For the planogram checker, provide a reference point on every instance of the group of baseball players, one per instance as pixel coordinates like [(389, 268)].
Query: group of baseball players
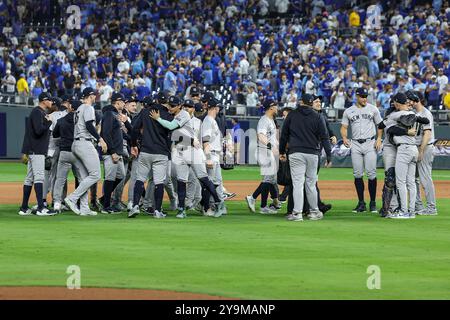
[(177, 145), (173, 144)]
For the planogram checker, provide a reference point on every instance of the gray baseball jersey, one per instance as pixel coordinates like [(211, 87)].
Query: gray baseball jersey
[(266, 127), (363, 121), (211, 129), (83, 114), (53, 141), (405, 139), (185, 131), (425, 113), (196, 124)]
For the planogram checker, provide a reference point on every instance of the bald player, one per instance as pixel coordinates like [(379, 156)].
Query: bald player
[(363, 119)]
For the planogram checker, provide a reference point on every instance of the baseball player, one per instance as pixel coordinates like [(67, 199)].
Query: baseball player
[(111, 132), (85, 135), (187, 153), (389, 201), (267, 157), (304, 130), (64, 132), (60, 105), (194, 188), (317, 106), (34, 148), (153, 156), (212, 146), (129, 111), (424, 141), (407, 153), (363, 119)]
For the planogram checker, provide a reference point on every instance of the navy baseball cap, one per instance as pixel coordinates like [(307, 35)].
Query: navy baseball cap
[(269, 103), (57, 101), (117, 97), (411, 95), (148, 101), (75, 104), (308, 99), (318, 97), (162, 97), (207, 97), (194, 92), (198, 107), (45, 96), (213, 102), (400, 98), (174, 101), (362, 92), (131, 98), (88, 92), (66, 98), (189, 103)]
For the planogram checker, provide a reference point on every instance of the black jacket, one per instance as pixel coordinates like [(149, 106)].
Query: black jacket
[(111, 130), (37, 133), (155, 138), (304, 130), (64, 129)]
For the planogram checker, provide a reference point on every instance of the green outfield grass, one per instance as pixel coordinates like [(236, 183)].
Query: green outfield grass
[(15, 172), (241, 255)]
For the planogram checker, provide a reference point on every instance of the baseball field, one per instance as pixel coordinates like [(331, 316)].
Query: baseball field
[(242, 255)]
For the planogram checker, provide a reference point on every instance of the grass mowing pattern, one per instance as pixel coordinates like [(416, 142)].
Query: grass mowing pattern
[(241, 255), (15, 172)]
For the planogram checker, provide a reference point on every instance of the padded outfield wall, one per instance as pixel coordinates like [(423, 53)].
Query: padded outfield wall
[(12, 128)]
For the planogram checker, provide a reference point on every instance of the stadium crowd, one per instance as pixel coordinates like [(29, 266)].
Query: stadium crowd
[(258, 49)]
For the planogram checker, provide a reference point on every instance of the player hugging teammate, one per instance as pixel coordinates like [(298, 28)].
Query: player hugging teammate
[(408, 157)]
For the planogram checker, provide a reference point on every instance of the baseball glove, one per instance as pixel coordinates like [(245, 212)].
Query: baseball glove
[(24, 159), (407, 120)]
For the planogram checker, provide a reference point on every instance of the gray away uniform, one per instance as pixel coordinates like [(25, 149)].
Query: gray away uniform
[(211, 133), (363, 122), (425, 166), (83, 148), (389, 157), (266, 159), (405, 167), (194, 188)]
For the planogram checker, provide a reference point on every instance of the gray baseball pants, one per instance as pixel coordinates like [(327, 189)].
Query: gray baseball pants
[(90, 164), (364, 157), (424, 178), (304, 176), (66, 162), (405, 173)]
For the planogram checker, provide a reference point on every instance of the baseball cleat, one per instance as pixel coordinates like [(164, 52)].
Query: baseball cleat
[(220, 209), (251, 203), (25, 212), (315, 215), (209, 213), (130, 206), (295, 217), (274, 207), (149, 211), (45, 212), (428, 212), (401, 215), (57, 206), (373, 207), (228, 196), (159, 215), (72, 206), (324, 208), (361, 207), (134, 212), (88, 213), (181, 214), (268, 210)]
